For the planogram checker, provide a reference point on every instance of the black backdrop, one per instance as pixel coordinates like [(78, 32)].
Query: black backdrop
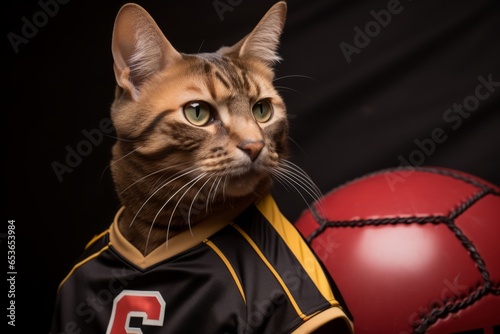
[(368, 85)]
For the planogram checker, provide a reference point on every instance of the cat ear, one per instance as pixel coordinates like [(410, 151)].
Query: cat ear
[(139, 48), (262, 43)]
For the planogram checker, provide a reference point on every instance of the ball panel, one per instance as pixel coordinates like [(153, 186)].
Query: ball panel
[(480, 224)]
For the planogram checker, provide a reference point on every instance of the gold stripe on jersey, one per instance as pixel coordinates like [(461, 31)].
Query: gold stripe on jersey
[(229, 267), (319, 319), (95, 238), (273, 271), (299, 248), (81, 263)]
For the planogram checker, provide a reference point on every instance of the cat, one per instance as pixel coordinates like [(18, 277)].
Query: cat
[(216, 138), (200, 138)]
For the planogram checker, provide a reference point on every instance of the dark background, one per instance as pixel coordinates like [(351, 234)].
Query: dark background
[(347, 118)]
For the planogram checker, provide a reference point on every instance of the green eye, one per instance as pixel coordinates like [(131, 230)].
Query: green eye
[(262, 111), (198, 113)]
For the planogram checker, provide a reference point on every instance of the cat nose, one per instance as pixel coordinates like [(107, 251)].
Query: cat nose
[(252, 148)]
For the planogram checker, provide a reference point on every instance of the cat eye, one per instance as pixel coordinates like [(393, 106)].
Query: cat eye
[(198, 113), (262, 111)]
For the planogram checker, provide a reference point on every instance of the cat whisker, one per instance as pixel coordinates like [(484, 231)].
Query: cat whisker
[(202, 42), (194, 199), (149, 175), (115, 161), (122, 139), (307, 187), (281, 88), (193, 182), (296, 178), (157, 190), (304, 176), (210, 194), (294, 76), (284, 177), (214, 195), (278, 179), (159, 180), (297, 145), (165, 204), (224, 188)]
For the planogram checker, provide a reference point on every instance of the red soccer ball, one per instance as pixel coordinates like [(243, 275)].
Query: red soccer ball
[(413, 250)]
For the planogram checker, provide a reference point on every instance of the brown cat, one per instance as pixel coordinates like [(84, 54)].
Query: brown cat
[(205, 129), (199, 245)]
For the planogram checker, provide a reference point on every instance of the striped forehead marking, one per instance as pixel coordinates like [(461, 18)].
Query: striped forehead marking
[(232, 76)]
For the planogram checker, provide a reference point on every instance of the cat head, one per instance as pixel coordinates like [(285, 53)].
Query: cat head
[(205, 128)]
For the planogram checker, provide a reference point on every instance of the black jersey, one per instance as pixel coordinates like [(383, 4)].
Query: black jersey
[(253, 275)]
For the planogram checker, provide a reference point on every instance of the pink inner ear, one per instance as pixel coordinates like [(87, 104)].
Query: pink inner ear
[(139, 48)]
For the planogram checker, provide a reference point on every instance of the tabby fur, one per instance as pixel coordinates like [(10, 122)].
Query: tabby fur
[(171, 174)]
